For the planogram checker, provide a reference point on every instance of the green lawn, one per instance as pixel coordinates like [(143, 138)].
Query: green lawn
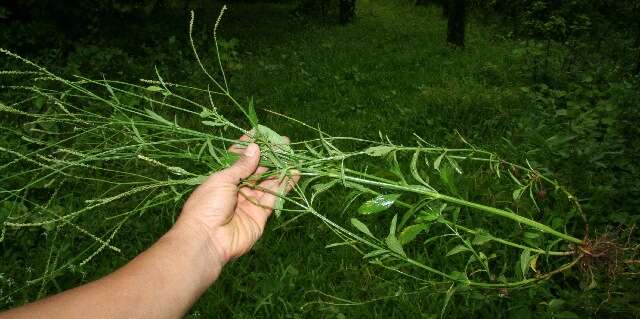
[(388, 72)]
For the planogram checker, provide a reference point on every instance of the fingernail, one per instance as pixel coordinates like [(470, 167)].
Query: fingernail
[(251, 150)]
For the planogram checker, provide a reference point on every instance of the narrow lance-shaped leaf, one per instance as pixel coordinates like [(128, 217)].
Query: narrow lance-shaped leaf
[(279, 204), (525, 257), (113, 94), (427, 216), (391, 240), (251, 113), (457, 249), (212, 152), (212, 123), (277, 141), (409, 233), (158, 118), (394, 245), (380, 150), (361, 227), (374, 253), (517, 193), (414, 169), (137, 137), (154, 88), (533, 263), (229, 158), (322, 187), (392, 226), (481, 238), (378, 204), (459, 276), (438, 160), (447, 298), (454, 164)]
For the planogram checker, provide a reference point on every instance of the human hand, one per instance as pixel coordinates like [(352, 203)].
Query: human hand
[(233, 217)]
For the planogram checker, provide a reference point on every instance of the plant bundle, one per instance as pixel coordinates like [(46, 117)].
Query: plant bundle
[(456, 217)]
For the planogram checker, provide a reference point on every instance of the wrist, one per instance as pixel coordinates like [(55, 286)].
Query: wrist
[(196, 238)]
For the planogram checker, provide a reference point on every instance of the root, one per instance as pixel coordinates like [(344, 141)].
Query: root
[(605, 255)]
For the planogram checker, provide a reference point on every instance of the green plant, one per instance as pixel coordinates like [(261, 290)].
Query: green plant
[(100, 134)]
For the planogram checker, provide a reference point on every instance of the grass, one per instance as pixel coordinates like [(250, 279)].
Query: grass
[(388, 72)]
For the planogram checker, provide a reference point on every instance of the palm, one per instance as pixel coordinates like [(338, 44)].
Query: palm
[(234, 217), (238, 232)]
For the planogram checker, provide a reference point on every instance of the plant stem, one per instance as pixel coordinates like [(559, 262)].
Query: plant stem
[(492, 210)]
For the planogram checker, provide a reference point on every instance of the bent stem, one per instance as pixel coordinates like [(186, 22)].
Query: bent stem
[(488, 209)]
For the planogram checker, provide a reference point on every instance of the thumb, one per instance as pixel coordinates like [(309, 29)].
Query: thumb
[(243, 168)]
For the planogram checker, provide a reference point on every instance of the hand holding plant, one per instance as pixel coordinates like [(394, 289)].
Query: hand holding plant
[(233, 214)]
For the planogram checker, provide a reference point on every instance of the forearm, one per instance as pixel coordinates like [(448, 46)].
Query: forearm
[(162, 282)]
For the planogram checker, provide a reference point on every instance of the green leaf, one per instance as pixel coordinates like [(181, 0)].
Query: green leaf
[(207, 113), (380, 150), (279, 204), (277, 141), (525, 257), (457, 249), (481, 238), (459, 276), (229, 158), (533, 263), (438, 161), (158, 118), (454, 164), (138, 137), (323, 187), (531, 235), (414, 168), (211, 123), (154, 88), (361, 227), (212, 152), (447, 298), (337, 244), (409, 233), (392, 226), (555, 304), (113, 94), (195, 180), (378, 204), (427, 216), (394, 245), (395, 168), (447, 177), (517, 193), (253, 116), (374, 253)]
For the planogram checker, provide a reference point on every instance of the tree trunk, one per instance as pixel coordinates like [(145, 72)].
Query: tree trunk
[(445, 8), (456, 25), (637, 41), (347, 11)]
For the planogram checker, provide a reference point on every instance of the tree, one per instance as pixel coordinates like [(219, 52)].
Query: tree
[(636, 15), (456, 24), (347, 11)]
